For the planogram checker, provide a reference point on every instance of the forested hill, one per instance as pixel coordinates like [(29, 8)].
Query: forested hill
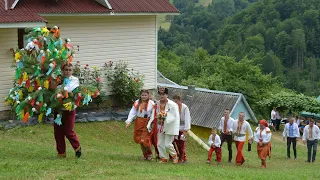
[(266, 44)]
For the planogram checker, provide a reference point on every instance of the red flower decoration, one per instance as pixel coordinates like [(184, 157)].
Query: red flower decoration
[(85, 67), (137, 80), (87, 64), (98, 80)]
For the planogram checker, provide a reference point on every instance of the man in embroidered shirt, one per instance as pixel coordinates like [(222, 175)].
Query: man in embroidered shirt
[(68, 118), (168, 127), (311, 134), (185, 124), (225, 128), (241, 128), (291, 131)]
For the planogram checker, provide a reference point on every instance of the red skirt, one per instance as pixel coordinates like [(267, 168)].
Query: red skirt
[(264, 151), (141, 134)]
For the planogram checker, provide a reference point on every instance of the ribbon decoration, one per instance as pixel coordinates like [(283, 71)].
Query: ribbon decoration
[(58, 120)]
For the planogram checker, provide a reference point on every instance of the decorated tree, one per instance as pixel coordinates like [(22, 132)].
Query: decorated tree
[(39, 86)]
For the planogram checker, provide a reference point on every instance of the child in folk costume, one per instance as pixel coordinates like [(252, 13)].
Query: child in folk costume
[(168, 121), (141, 112), (262, 136), (241, 128), (214, 143)]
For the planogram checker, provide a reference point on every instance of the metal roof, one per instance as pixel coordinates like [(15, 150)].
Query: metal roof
[(206, 106), (29, 10)]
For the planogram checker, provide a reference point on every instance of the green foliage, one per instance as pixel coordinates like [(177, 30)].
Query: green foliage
[(91, 77), (291, 101), (125, 84), (280, 35), (88, 75)]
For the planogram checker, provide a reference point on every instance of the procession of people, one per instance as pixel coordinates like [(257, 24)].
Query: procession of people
[(165, 124)]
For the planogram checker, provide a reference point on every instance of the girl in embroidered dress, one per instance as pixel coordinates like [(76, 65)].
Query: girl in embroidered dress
[(141, 112), (262, 136)]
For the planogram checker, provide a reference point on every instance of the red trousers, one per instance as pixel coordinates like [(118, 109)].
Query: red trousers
[(218, 153), (180, 147), (66, 130), (239, 157)]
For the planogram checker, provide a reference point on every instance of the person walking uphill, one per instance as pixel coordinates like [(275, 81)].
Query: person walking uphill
[(311, 135), (68, 119), (168, 119), (141, 112), (262, 136), (291, 131), (185, 124), (214, 143), (225, 128), (241, 128)]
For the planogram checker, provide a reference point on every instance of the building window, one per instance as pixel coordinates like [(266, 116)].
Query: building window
[(22, 38)]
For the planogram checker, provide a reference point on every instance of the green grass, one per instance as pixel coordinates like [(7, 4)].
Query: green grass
[(163, 23), (110, 153)]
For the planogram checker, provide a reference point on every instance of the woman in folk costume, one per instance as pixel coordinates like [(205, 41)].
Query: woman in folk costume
[(167, 118), (262, 136), (141, 112)]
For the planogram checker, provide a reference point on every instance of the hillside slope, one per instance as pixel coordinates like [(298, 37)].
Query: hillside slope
[(110, 153)]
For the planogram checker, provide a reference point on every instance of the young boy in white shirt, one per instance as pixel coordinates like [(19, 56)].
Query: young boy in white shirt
[(214, 143)]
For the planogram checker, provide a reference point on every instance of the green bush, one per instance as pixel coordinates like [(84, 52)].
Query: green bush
[(125, 84)]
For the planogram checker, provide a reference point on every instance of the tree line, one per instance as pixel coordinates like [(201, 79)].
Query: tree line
[(254, 47)]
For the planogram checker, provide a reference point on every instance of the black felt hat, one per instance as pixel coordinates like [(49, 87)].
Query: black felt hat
[(165, 91)]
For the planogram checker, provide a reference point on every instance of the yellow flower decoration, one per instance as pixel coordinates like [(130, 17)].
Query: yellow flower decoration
[(46, 84), (25, 76), (68, 106), (40, 117), (20, 94), (17, 56), (90, 93), (8, 102), (45, 31), (31, 88)]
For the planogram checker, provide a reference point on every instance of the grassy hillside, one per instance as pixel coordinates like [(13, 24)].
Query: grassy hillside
[(163, 23), (110, 153)]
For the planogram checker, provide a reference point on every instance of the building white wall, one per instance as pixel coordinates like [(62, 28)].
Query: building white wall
[(8, 39), (103, 38)]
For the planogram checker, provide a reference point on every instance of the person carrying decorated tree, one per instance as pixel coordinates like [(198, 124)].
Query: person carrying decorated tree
[(140, 113), (66, 129), (40, 67)]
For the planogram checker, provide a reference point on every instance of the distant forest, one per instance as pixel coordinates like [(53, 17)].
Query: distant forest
[(249, 46)]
